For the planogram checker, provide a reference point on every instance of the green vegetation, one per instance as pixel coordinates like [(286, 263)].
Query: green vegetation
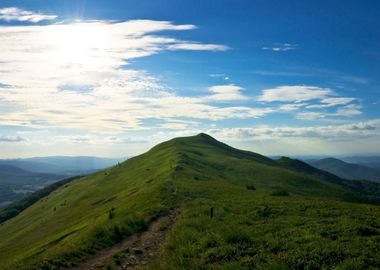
[(294, 219), (268, 232), (280, 192), (250, 187), (7, 194), (15, 183), (17, 207)]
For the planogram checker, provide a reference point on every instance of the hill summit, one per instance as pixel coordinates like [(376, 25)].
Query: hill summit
[(266, 212)]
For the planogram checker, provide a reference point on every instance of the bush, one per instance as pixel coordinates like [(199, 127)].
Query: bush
[(265, 211), (367, 231), (117, 233), (250, 187), (280, 192), (111, 213)]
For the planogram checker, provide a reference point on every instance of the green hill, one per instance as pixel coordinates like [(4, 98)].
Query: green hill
[(347, 170), (267, 214)]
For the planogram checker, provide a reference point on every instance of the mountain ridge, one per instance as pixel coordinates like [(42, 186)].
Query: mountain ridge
[(98, 210), (347, 170)]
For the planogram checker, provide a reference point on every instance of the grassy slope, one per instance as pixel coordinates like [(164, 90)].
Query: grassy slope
[(67, 220), (254, 230), (250, 228)]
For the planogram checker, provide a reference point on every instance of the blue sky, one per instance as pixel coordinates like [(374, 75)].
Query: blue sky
[(113, 78)]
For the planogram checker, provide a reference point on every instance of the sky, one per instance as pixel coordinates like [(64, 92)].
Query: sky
[(114, 78)]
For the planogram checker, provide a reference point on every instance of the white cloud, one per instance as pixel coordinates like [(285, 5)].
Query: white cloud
[(70, 75), (311, 97), (297, 93), (279, 73), (197, 47), (349, 110), (280, 47), (17, 14), (11, 139), (310, 115), (220, 75), (291, 107), (229, 92), (217, 75), (329, 132), (343, 111), (331, 102), (350, 138)]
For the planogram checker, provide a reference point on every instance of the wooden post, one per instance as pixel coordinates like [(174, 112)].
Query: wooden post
[(211, 212)]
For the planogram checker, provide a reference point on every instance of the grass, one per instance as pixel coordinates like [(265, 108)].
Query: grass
[(255, 224), (261, 231), (75, 219)]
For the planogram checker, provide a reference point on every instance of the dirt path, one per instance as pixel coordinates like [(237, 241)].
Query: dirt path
[(134, 251)]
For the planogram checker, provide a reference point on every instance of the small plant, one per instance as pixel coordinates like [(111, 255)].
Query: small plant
[(264, 212), (117, 233), (118, 258), (250, 187), (238, 237), (111, 213)]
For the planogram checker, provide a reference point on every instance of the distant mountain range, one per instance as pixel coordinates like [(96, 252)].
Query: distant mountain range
[(348, 170), (369, 161), (22, 176), (62, 164)]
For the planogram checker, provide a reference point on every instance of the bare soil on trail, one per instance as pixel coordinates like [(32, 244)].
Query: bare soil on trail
[(133, 252)]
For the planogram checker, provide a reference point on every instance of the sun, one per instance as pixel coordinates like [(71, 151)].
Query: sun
[(77, 43)]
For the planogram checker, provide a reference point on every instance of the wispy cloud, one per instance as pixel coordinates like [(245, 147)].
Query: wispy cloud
[(17, 14), (330, 132), (311, 98), (219, 75), (327, 74), (353, 137), (343, 111), (331, 102), (197, 47), (76, 76), (11, 139), (279, 73), (229, 92), (280, 47), (297, 93)]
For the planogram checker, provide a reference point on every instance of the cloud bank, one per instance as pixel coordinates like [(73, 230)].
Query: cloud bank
[(76, 76)]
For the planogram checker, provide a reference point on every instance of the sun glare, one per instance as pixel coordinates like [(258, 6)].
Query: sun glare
[(79, 43)]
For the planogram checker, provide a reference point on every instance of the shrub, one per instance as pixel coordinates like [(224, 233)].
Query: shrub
[(367, 231), (265, 211), (280, 192), (117, 233), (111, 213), (250, 187)]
